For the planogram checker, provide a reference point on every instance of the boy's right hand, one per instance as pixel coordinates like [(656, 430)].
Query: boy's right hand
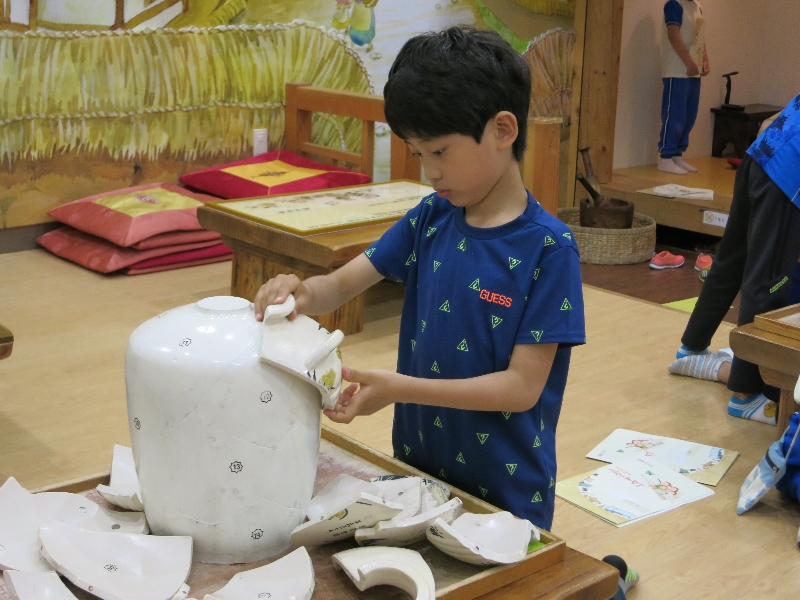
[(692, 70), (276, 290)]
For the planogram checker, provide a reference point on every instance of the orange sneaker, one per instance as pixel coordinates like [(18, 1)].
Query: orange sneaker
[(666, 260), (703, 262)]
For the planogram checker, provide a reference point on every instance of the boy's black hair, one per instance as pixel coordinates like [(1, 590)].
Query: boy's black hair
[(454, 81)]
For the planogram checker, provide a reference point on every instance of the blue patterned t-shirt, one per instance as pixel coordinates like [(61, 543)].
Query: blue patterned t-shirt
[(777, 150), (472, 294)]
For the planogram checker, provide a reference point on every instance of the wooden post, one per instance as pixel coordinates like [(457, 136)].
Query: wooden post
[(540, 165), (297, 122), (33, 15), (600, 82), (594, 89), (119, 17), (367, 148)]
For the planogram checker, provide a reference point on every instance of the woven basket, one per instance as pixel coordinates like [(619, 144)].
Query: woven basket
[(612, 246)]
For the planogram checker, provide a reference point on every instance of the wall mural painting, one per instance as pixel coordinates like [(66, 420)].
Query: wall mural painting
[(103, 94)]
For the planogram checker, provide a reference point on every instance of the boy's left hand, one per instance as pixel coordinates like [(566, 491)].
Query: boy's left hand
[(368, 392)]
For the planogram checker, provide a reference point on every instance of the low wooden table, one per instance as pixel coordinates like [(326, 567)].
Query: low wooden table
[(308, 233), (778, 360), (6, 342), (261, 252)]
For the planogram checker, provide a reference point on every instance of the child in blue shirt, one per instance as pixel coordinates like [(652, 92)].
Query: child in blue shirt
[(493, 298)]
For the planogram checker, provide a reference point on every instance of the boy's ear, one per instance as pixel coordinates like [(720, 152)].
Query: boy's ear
[(506, 129)]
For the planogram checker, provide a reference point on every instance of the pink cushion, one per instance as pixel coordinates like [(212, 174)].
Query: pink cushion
[(178, 260), (276, 172), (131, 215), (174, 238), (102, 256)]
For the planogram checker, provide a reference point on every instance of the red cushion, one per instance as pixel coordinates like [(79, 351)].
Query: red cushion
[(276, 172), (102, 256), (188, 258), (131, 215)]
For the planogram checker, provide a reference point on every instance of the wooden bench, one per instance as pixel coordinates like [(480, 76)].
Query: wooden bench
[(261, 252)]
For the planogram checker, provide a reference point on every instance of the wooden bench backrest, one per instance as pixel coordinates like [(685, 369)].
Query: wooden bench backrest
[(539, 168), (302, 100)]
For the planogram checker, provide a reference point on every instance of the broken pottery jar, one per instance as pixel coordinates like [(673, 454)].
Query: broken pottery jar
[(224, 441)]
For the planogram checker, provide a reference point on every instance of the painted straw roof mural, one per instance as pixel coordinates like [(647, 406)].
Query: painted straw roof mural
[(103, 94)]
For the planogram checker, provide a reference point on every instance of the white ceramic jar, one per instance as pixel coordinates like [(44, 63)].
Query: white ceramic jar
[(225, 443)]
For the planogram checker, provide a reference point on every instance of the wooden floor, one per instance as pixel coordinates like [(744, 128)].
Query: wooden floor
[(62, 407), (713, 173), (658, 286)]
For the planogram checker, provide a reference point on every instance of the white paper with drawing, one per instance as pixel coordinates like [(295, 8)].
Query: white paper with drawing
[(627, 491), (698, 462)]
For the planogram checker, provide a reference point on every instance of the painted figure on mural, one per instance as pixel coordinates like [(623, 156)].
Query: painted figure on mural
[(358, 18), (684, 62)]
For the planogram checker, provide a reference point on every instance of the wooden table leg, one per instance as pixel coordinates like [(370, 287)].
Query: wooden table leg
[(786, 408), (250, 270)]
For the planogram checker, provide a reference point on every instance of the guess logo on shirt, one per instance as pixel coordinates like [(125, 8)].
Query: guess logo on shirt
[(496, 298)]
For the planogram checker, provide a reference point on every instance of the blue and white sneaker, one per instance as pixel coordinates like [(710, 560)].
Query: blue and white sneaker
[(683, 352), (756, 408)]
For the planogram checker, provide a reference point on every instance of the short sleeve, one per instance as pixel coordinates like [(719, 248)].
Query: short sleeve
[(554, 310), (673, 13), (394, 253)]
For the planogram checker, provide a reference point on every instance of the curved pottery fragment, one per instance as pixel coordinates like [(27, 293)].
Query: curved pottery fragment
[(398, 567), (123, 490), (407, 531), (24, 585), (289, 578), (303, 347), (22, 513), (487, 539), (403, 490), (225, 445), (341, 507), (118, 566)]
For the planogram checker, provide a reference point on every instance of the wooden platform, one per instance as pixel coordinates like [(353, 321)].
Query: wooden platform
[(713, 173), (63, 408)]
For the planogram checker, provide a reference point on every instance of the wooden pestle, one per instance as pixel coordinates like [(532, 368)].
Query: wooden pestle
[(597, 198)]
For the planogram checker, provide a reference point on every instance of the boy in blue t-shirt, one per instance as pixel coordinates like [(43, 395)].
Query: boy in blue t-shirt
[(493, 298)]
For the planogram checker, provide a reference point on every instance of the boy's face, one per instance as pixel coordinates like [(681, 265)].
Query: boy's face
[(459, 168)]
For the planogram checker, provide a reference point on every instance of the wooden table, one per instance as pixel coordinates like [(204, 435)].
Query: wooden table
[(578, 576), (778, 360), (6, 342), (261, 252)]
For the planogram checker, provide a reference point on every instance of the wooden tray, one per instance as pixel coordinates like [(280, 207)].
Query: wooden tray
[(783, 321), (455, 580)]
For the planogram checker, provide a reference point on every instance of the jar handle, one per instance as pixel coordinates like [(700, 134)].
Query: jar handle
[(323, 349), (280, 310)]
